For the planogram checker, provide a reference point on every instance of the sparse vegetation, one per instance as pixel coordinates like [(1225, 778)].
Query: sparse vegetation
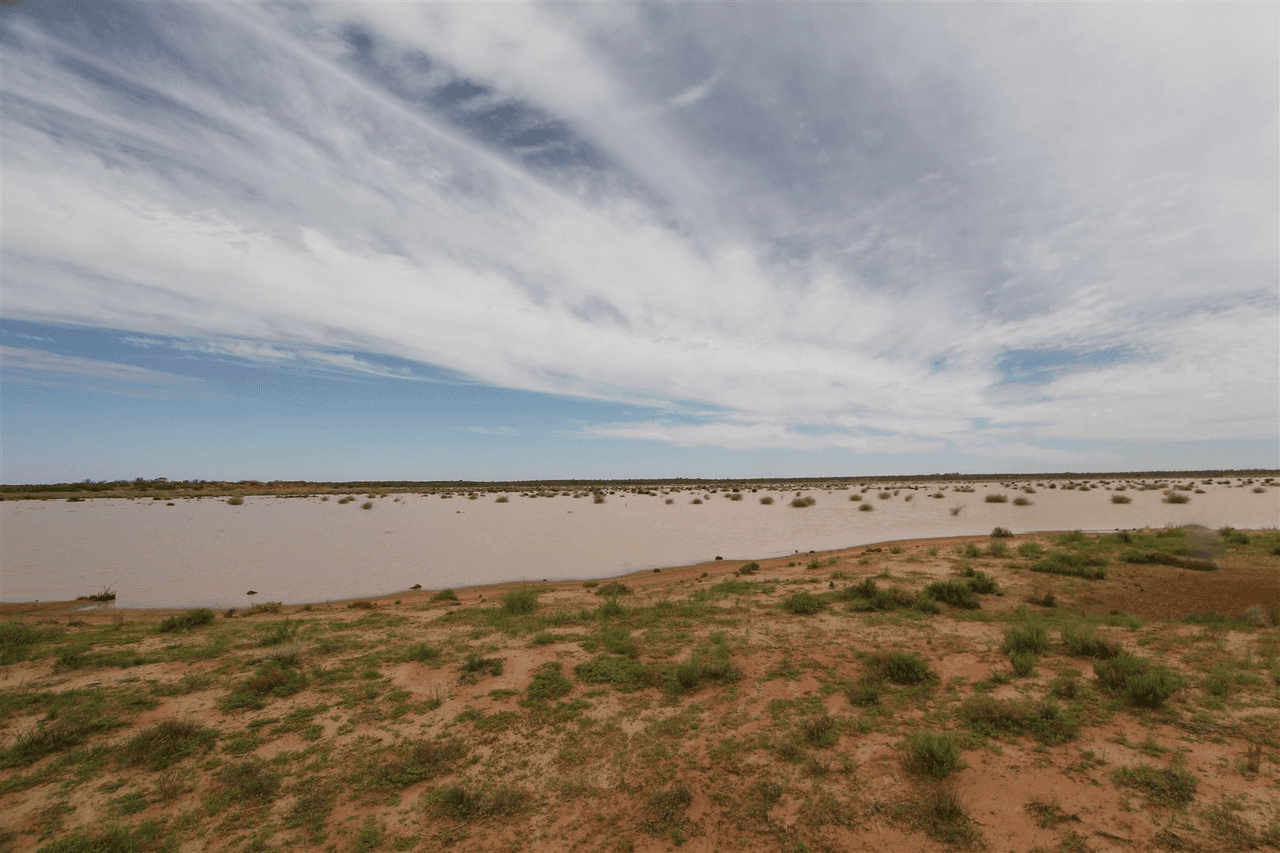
[(730, 709)]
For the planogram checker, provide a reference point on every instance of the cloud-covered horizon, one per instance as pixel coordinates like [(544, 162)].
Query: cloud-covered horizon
[(984, 230)]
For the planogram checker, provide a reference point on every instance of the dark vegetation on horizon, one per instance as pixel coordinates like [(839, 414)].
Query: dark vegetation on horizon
[(213, 488)]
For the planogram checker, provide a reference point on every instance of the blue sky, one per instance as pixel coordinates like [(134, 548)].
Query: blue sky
[(526, 240)]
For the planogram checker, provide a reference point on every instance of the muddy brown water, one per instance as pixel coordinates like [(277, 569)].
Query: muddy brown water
[(204, 552)]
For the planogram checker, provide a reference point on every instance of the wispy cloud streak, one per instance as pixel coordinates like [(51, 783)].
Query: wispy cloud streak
[(831, 245)]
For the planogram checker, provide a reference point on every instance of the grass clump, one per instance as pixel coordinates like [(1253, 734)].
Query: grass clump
[(666, 812), (999, 532), (520, 602), (17, 641), (1030, 637), (751, 568), (422, 653), (802, 603), (800, 503), (275, 678), (904, 668), (931, 754), (955, 593), (1163, 787), (1121, 499), (766, 500), (264, 607), (614, 588), (698, 667), (410, 762), (445, 595), (1177, 498), (548, 683), (166, 742), (187, 620), (1071, 564), (459, 802), (983, 584), (1044, 721), (236, 500), (1142, 683), (474, 667), (143, 838), (1081, 643), (621, 673), (994, 498), (251, 780)]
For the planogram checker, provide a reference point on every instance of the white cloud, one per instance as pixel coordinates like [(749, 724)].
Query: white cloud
[(832, 242)]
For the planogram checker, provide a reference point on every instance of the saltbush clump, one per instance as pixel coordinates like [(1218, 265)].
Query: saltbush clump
[(804, 603), (930, 754)]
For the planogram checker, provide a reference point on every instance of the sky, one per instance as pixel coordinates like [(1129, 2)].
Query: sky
[(437, 241)]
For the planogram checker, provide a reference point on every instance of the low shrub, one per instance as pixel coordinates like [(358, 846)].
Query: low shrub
[(1071, 564), (904, 668), (613, 588), (252, 780), (766, 500), (422, 653), (1137, 679), (999, 532), (993, 717), (996, 499), (955, 593), (236, 500), (748, 569), (1164, 787), (1030, 637), (413, 761), (548, 683), (1024, 662), (1121, 499), (808, 500), (931, 754), (445, 595), (458, 802), (475, 666), (804, 603), (184, 621), (865, 507), (1150, 689), (697, 668), (166, 742), (1081, 643), (625, 674), (1177, 498), (983, 584), (521, 602)]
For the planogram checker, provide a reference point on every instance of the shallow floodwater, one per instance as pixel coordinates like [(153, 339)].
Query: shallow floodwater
[(205, 552)]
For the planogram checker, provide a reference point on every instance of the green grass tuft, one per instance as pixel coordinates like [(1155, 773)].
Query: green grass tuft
[(931, 754)]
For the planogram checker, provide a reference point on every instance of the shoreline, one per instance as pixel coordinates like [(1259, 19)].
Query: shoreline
[(642, 579)]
